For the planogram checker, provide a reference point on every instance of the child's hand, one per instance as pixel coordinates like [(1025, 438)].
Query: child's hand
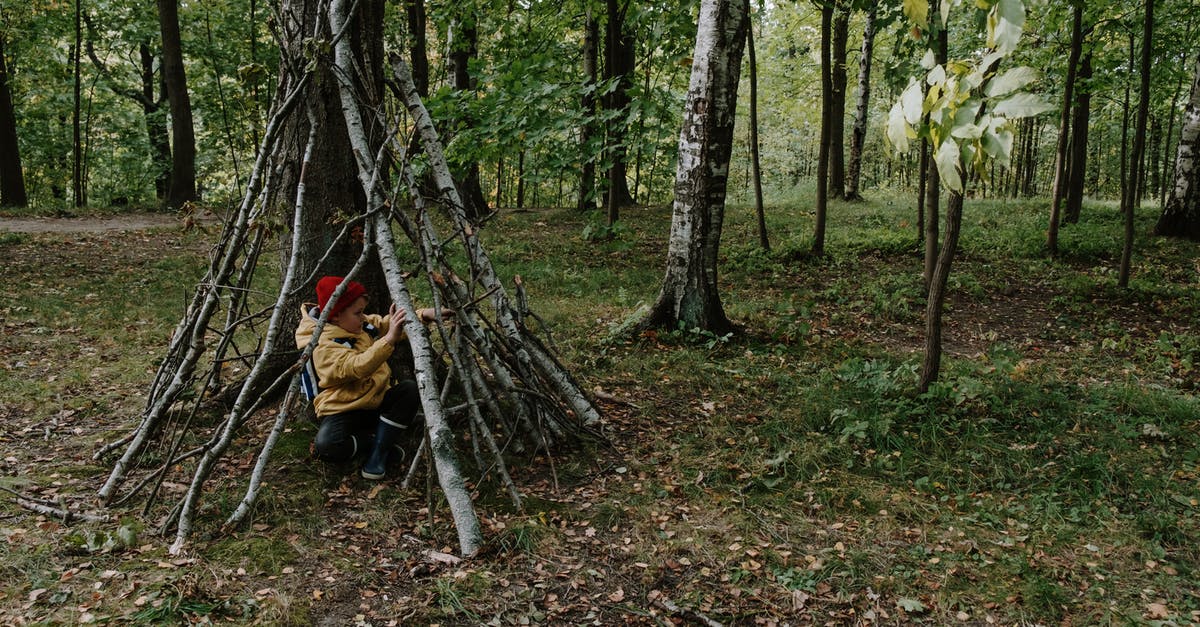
[(396, 320)]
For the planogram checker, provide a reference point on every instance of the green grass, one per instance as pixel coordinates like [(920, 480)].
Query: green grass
[(790, 469)]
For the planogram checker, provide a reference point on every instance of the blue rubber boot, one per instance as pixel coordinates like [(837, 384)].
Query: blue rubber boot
[(386, 435)]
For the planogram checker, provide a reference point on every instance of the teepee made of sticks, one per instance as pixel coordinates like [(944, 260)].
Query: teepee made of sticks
[(507, 388)]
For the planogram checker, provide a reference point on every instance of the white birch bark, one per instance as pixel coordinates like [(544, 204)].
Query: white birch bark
[(862, 110), (481, 266), (1181, 214), (186, 346), (450, 478), (689, 292), (244, 405)]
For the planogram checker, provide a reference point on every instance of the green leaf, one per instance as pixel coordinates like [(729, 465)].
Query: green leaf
[(917, 11), (997, 142), (929, 60), (911, 100), (1005, 25), (910, 605), (947, 164), (936, 76), (1022, 106), (965, 116), (1010, 81), (897, 128), (967, 131)]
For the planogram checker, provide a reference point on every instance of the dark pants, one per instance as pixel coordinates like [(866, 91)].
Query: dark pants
[(343, 436)]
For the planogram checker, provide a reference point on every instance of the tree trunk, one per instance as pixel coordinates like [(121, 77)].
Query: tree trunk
[(463, 48), (1060, 154), (756, 174), (330, 193), (183, 141), (1077, 163), (690, 293), (837, 102), (78, 187), (1168, 166), (156, 123), (922, 191), (12, 178), (1029, 184), (1137, 168), (933, 195), (619, 64), (818, 246), (1125, 109), (932, 362), (418, 55), (1181, 214), (862, 112), (586, 202)]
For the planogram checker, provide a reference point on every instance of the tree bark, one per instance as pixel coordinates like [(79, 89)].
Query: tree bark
[(619, 64), (837, 83), (463, 48), (331, 194), (78, 186), (756, 174), (818, 245), (441, 438), (862, 111), (932, 362), (689, 293), (1077, 164), (1137, 168), (1181, 214), (1060, 154), (156, 122), (586, 202), (418, 54), (933, 186), (183, 140), (12, 178)]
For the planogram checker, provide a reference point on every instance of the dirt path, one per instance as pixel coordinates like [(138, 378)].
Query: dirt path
[(97, 224)]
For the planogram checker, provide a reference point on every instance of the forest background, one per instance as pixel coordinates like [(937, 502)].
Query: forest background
[(1044, 476)]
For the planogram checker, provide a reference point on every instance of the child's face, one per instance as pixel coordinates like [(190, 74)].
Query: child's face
[(351, 319)]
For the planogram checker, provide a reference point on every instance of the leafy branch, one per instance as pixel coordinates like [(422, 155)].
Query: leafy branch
[(962, 106)]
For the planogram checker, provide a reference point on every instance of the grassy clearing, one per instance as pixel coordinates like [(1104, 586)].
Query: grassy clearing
[(788, 472)]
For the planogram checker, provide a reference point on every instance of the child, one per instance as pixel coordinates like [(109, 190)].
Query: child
[(357, 405)]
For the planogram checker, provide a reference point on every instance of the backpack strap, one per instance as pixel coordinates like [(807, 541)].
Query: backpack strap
[(308, 381)]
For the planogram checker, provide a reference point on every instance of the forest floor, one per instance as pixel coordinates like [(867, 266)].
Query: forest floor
[(781, 476)]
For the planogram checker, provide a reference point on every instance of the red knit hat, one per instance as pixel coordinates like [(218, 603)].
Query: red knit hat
[(328, 284)]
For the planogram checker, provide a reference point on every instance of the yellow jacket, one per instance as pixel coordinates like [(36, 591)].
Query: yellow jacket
[(352, 370)]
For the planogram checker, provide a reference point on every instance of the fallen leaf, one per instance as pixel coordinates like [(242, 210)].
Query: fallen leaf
[(1157, 611)]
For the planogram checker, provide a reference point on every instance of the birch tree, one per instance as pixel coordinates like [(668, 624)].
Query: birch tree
[(862, 109), (689, 293), (1181, 215)]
